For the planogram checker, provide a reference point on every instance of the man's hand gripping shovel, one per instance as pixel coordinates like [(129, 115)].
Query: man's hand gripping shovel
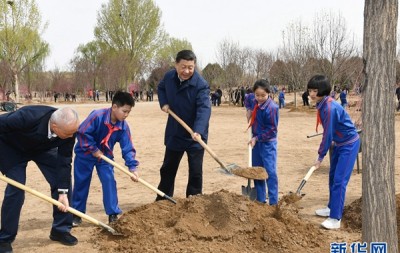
[(58, 204), (251, 173)]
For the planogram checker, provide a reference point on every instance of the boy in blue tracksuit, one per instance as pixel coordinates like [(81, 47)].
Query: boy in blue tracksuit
[(264, 127), (97, 136), (339, 129)]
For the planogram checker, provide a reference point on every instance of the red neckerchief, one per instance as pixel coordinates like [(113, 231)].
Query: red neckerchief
[(318, 121), (111, 129), (253, 116)]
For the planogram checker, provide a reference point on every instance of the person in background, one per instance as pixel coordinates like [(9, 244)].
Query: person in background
[(339, 130), (46, 136), (305, 98), (186, 93), (249, 103), (264, 127), (398, 97), (343, 98), (96, 136), (219, 97), (281, 98)]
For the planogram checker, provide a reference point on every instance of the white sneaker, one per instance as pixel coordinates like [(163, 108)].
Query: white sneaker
[(331, 223), (324, 212)]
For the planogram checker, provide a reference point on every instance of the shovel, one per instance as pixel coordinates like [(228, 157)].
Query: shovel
[(121, 168), (251, 173), (248, 190), (304, 181), (57, 203)]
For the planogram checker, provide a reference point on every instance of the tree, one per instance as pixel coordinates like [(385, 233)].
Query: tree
[(131, 27), (166, 55), (378, 191), (213, 73), (20, 41), (331, 41), (296, 52), (88, 58)]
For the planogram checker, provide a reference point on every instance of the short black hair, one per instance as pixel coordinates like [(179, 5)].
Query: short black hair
[(187, 55), (263, 84), (321, 83), (122, 98)]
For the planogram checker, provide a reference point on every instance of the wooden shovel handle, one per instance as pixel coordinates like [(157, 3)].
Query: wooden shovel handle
[(53, 201), (310, 171), (127, 172), (199, 140)]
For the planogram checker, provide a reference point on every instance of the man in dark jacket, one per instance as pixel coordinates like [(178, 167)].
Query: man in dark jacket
[(46, 136), (186, 93)]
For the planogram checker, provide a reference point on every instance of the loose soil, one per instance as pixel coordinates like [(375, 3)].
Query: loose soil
[(251, 172), (217, 222), (220, 220)]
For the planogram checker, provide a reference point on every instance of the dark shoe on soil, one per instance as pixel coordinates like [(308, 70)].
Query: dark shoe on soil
[(63, 237), (5, 247), (76, 221), (112, 218)]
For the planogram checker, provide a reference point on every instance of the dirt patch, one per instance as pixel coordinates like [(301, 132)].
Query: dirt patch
[(251, 172), (352, 216), (218, 222)]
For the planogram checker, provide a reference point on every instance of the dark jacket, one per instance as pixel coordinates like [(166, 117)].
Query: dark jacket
[(190, 101), (24, 134)]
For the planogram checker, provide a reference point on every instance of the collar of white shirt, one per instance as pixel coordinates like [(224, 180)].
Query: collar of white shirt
[(49, 133)]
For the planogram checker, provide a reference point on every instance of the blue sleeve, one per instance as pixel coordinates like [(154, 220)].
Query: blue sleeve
[(162, 96), (203, 112), (271, 121), (86, 132), (248, 102), (128, 151), (64, 161), (327, 136)]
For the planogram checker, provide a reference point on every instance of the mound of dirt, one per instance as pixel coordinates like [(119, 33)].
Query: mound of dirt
[(219, 222), (352, 215)]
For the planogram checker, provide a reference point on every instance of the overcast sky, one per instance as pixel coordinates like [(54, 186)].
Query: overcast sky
[(204, 23)]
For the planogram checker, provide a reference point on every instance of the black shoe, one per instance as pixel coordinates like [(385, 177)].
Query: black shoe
[(63, 237), (76, 221), (5, 247), (112, 218)]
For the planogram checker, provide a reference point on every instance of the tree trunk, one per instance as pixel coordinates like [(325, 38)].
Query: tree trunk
[(16, 85), (378, 151)]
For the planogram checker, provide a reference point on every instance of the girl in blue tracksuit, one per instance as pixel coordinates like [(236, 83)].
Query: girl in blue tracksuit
[(264, 127), (339, 130), (96, 136)]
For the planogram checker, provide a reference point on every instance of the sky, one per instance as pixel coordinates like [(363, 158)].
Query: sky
[(205, 24)]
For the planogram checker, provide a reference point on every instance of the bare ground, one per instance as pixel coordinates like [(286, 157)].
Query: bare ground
[(221, 220)]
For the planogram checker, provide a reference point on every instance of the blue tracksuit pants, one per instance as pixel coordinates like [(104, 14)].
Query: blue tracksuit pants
[(342, 163), (83, 169), (264, 155)]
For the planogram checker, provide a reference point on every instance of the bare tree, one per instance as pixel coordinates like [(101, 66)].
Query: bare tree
[(378, 191), (296, 52), (332, 42), (262, 63)]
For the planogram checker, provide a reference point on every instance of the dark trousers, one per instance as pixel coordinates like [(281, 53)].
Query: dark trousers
[(14, 197), (170, 167)]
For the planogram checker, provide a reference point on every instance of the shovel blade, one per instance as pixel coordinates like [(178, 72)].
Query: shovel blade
[(249, 192)]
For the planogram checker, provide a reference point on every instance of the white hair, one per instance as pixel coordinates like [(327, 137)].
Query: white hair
[(64, 116)]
